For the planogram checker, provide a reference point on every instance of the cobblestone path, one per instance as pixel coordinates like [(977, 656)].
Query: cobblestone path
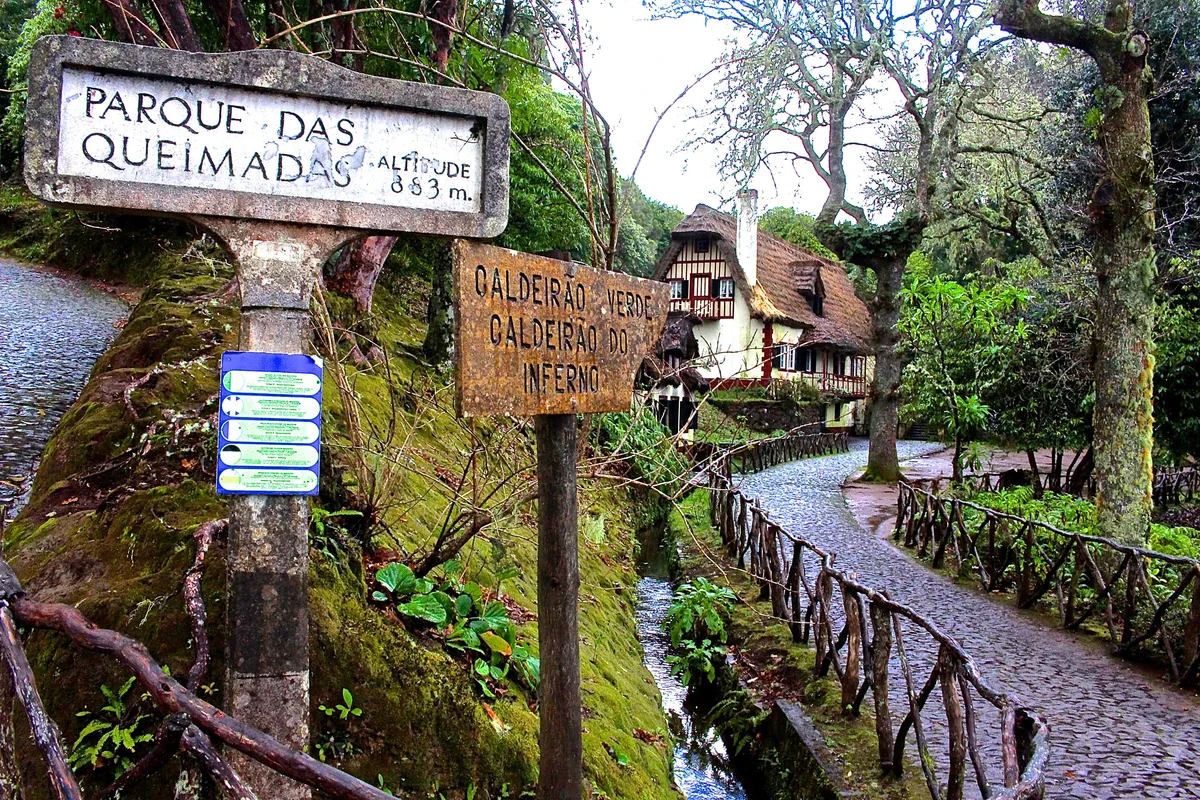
[(1115, 731)]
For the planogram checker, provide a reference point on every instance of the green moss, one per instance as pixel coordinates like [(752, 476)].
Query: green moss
[(124, 249), (783, 668), (122, 487)]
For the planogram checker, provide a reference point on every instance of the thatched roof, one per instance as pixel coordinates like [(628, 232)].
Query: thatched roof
[(786, 273)]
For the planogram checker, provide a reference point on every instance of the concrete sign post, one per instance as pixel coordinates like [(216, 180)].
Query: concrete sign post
[(552, 339), (284, 158)]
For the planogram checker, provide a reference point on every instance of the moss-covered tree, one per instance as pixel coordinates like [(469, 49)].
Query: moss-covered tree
[(1122, 216)]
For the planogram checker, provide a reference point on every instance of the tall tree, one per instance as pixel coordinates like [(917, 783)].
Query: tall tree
[(960, 334), (1123, 226), (933, 61)]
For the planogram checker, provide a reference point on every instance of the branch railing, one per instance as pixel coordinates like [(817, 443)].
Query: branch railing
[(1170, 486), (1142, 598), (191, 725), (1047, 482), (860, 635), (1176, 486), (760, 454)]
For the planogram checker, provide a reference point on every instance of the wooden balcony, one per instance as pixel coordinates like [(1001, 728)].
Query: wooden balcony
[(705, 308), (853, 386)]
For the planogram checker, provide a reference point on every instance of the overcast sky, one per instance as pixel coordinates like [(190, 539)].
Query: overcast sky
[(637, 67)]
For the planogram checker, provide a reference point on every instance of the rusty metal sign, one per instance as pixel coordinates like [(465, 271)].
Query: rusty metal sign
[(541, 336)]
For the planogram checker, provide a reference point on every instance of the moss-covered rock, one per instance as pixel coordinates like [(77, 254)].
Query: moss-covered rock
[(128, 476)]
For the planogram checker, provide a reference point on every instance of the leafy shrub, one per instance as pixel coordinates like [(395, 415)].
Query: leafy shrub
[(699, 611), (112, 736), (738, 719), (329, 535), (470, 625), (334, 742), (695, 659), (641, 440)]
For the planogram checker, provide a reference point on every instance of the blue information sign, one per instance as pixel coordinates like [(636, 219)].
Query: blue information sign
[(269, 437)]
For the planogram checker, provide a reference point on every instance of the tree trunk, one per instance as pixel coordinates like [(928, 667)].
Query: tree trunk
[(231, 19), (438, 347), (1123, 208), (10, 774), (883, 464), (837, 166), (1031, 454), (1122, 211), (956, 472), (176, 25), (357, 268), (132, 27)]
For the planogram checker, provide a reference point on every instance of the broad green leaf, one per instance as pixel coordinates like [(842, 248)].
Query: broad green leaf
[(425, 607), (447, 603), (495, 614), (398, 579), (462, 606)]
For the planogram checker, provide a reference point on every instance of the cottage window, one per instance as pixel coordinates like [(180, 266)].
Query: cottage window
[(785, 357), (817, 303), (679, 290), (723, 289), (808, 360), (701, 245)]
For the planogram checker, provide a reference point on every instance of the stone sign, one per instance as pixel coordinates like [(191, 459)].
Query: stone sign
[(266, 135), (541, 336)]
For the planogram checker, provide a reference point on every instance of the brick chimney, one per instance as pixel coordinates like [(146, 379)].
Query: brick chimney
[(747, 234)]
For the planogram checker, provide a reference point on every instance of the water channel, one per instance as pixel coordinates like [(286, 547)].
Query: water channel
[(701, 762), (52, 330)]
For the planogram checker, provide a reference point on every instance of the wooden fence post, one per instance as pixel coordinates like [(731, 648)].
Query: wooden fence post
[(881, 653)]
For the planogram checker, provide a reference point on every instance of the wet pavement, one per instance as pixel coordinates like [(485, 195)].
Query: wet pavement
[(52, 330), (1116, 731)]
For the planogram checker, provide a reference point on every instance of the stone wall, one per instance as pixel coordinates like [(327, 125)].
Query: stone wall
[(767, 416)]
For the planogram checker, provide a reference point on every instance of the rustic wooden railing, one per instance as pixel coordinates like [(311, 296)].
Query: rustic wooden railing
[(1175, 486), (191, 725), (759, 454), (857, 635), (1141, 596), (1171, 486), (999, 481)]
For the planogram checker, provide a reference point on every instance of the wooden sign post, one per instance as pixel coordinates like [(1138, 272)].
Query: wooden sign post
[(285, 158), (548, 338)]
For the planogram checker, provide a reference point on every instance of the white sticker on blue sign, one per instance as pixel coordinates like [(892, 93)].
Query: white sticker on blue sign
[(269, 436)]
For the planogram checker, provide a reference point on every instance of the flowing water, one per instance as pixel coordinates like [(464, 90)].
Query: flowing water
[(52, 329), (702, 771)]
